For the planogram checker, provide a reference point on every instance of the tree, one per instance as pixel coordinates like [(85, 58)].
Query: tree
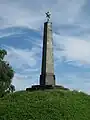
[(2, 54), (11, 88), (6, 73)]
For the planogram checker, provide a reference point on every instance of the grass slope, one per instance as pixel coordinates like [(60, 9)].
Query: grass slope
[(45, 105)]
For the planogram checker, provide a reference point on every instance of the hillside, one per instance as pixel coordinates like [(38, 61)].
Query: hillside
[(45, 105)]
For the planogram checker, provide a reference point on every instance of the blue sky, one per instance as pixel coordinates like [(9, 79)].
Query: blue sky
[(21, 33)]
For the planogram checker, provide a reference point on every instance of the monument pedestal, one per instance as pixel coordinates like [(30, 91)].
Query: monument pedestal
[(45, 87), (47, 79)]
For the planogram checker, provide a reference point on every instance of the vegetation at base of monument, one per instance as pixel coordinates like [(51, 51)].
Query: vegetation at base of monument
[(45, 105), (6, 74)]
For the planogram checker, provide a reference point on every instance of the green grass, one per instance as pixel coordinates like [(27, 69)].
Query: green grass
[(45, 105)]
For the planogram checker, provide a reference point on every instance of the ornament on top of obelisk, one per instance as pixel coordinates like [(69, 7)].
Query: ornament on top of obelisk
[(48, 14)]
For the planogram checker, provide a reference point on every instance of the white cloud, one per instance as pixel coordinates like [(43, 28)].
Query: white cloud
[(36, 42), (15, 14), (20, 57), (21, 82), (8, 34), (72, 49), (75, 81), (29, 14)]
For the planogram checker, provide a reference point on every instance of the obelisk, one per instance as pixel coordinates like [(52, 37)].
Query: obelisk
[(47, 76)]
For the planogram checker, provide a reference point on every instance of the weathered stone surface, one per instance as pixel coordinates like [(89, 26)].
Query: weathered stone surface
[(47, 76)]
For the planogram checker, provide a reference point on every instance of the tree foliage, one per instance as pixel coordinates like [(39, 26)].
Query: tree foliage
[(6, 72), (11, 88)]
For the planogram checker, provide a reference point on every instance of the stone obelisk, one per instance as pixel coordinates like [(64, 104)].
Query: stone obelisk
[(47, 76)]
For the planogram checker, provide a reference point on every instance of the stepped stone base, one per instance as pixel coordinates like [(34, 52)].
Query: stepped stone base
[(44, 87)]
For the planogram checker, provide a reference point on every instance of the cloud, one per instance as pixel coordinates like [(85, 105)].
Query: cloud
[(6, 34), (22, 81), (22, 56), (72, 49), (29, 14), (15, 14), (77, 81)]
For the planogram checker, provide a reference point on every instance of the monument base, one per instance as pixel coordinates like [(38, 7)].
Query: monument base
[(47, 79), (44, 87)]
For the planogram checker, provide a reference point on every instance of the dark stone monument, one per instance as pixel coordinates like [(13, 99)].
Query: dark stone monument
[(47, 77)]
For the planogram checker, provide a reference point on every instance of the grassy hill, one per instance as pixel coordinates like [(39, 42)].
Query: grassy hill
[(45, 105)]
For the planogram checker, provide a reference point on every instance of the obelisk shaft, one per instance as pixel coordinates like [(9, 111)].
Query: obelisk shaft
[(47, 76)]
